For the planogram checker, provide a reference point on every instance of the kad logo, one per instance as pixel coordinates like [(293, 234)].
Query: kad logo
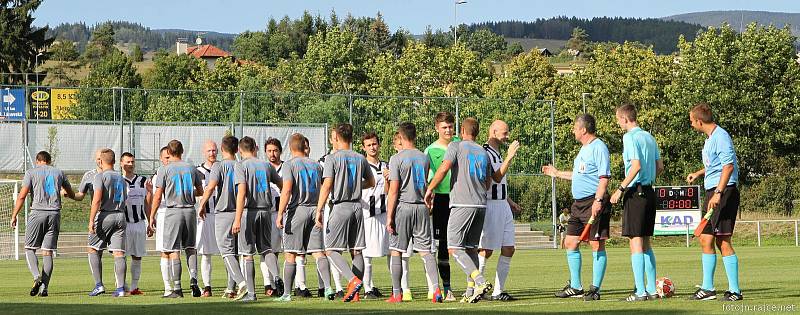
[(676, 220)]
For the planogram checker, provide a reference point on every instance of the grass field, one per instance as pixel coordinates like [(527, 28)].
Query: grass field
[(768, 277)]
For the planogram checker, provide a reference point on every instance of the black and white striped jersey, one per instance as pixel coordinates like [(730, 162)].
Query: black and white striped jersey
[(212, 202), (374, 199), (135, 203), (498, 191), (276, 193)]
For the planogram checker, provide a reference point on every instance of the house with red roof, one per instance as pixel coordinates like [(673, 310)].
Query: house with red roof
[(208, 53)]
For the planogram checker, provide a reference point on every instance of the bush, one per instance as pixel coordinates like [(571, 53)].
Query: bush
[(774, 193)]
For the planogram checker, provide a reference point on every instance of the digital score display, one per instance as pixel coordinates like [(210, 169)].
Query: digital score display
[(678, 198)]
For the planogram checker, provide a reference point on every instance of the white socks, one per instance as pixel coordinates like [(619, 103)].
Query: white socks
[(165, 270), (367, 274), (503, 266), (205, 269), (300, 275)]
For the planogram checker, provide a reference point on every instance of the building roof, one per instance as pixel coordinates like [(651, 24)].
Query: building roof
[(207, 51)]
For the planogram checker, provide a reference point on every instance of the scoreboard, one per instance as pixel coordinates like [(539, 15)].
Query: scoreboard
[(677, 207)]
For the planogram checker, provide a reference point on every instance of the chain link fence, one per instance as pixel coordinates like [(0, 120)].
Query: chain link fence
[(72, 122)]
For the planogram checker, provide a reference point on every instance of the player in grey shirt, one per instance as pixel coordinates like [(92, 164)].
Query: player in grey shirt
[(223, 182), (345, 174), (299, 196), (44, 183), (471, 176), (408, 217), (253, 220), (107, 223), (178, 183)]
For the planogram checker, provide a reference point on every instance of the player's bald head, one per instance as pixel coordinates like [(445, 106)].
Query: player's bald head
[(499, 130), (210, 151), (498, 125)]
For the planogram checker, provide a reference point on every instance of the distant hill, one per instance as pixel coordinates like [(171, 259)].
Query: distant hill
[(740, 18), (135, 33), (662, 35)]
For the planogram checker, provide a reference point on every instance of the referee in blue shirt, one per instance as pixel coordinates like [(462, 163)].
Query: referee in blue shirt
[(721, 170), (590, 174), (642, 163)]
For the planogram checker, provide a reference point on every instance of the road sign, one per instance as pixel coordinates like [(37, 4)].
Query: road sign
[(13, 104)]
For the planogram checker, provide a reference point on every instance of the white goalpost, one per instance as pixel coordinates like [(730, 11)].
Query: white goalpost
[(9, 237)]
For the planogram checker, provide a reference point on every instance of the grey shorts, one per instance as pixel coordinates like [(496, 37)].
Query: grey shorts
[(41, 230), (464, 227), (345, 227), (109, 232), (297, 229), (226, 241), (254, 234), (411, 221), (276, 237), (180, 229)]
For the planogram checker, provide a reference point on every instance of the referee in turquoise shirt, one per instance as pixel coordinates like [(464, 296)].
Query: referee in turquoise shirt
[(642, 163), (721, 170)]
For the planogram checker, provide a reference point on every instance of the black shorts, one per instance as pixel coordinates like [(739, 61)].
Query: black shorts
[(639, 211), (724, 217), (441, 215), (581, 211)]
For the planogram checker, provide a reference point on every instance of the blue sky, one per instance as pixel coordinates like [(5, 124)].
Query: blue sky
[(414, 15)]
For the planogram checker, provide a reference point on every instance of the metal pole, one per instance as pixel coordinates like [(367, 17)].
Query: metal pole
[(241, 113), (132, 138), (758, 230), (458, 118), (121, 120), (455, 23), (16, 227), (687, 235), (583, 100), (553, 179), (114, 102), (350, 104), (796, 240)]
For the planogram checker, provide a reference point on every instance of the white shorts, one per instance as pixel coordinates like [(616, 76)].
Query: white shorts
[(206, 240), (375, 234), (160, 229), (136, 239), (326, 213), (498, 225)]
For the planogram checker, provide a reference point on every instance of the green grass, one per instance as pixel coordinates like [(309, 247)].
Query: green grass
[(768, 276)]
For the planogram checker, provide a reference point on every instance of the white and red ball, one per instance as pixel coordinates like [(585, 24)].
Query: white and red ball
[(664, 287)]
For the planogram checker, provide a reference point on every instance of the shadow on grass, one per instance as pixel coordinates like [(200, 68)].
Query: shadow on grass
[(225, 307)]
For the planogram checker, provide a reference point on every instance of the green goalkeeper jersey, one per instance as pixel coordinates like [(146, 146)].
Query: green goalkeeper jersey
[(435, 153)]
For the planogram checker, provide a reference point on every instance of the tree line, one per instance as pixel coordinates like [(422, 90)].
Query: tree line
[(661, 34)]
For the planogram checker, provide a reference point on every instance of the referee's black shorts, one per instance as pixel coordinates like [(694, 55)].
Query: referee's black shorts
[(639, 211), (581, 211), (724, 217)]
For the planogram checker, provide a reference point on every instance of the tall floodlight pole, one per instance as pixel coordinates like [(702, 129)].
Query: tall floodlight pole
[(455, 19)]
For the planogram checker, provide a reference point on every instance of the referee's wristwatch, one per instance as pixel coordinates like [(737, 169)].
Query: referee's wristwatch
[(717, 191), (600, 200), (622, 188)]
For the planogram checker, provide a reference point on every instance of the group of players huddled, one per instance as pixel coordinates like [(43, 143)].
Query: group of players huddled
[(449, 201)]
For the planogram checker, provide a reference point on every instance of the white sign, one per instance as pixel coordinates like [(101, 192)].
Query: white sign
[(675, 222)]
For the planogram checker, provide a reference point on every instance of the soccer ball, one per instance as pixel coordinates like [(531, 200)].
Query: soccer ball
[(664, 287)]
